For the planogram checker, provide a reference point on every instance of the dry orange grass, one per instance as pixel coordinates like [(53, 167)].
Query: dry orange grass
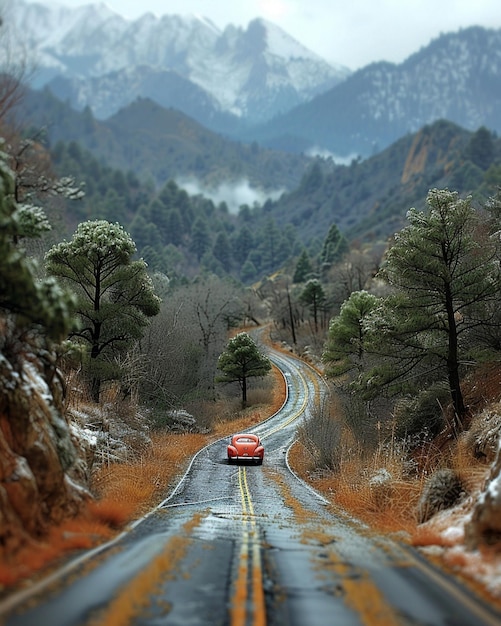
[(387, 507), (79, 533), (126, 491), (252, 416), (429, 535), (143, 483)]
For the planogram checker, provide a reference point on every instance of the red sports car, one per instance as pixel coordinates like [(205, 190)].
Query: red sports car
[(245, 447)]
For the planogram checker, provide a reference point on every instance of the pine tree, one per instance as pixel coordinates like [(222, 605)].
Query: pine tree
[(240, 361), (22, 295), (313, 295), (243, 243), (480, 149), (200, 238), (304, 269), (345, 348), (334, 247), (445, 274), (222, 250), (114, 293)]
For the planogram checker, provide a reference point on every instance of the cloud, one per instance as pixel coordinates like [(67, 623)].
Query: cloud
[(317, 151), (233, 194)]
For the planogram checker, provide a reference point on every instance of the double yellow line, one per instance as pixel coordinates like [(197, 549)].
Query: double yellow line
[(248, 605)]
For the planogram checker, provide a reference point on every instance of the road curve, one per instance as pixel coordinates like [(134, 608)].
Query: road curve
[(249, 546)]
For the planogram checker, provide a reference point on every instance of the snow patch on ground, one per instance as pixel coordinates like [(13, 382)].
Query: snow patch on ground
[(482, 566)]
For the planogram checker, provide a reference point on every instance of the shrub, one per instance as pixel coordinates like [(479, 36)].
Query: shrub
[(442, 491), (320, 433), (422, 413)]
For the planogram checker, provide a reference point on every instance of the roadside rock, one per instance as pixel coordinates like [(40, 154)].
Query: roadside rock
[(485, 524)]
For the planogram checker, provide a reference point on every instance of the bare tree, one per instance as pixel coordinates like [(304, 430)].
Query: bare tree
[(356, 272), (183, 343), (14, 66)]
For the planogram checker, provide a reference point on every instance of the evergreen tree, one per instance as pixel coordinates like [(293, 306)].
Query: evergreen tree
[(222, 250), (313, 179), (200, 238), (248, 272), (273, 248), (243, 243), (334, 247), (445, 273), (158, 215), (347, 340), (114, 293), (174, 228), (480, 149), (22, 294), (304, 269), (240, 361), (313, 295)]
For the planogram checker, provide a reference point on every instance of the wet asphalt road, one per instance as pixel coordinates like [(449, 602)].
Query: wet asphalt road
[(249, 545)]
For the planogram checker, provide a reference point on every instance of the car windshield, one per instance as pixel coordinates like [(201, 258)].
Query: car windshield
[(246, 440)]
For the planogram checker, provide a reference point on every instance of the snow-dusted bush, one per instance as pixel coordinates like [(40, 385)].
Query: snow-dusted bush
[(381, 487), (109, 434), (443, 490), (422, 414)]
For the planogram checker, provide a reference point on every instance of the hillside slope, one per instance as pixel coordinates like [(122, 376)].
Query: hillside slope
[(369, 199)]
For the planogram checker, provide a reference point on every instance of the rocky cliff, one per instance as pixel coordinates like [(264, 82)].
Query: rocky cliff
[(42, 478)]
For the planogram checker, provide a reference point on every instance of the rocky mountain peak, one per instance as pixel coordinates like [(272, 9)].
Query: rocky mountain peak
[(93, 48)]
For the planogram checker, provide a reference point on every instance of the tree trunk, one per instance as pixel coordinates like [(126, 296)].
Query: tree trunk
[(94, 353), (453, 367), (244, 392), (95, 389), (291, 317)]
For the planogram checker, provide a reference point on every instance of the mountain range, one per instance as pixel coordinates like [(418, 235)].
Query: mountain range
[(224, 79), (258, 84), (404, 113), (457, 77)]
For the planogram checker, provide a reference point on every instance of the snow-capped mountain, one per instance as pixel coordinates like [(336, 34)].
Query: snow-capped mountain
[(457, 77), (98, 58)]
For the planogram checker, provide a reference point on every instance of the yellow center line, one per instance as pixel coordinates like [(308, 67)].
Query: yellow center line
[(296, 414), (257, 572), (248, 599)]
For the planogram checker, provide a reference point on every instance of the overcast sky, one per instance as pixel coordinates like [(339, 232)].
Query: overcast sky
[(350, 32)]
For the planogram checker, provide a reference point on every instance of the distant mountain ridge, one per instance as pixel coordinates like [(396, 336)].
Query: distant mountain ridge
[(95, 57), (162, 144), (457, 77)]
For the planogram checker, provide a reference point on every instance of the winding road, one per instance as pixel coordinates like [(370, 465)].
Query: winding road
[(249, 546)]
